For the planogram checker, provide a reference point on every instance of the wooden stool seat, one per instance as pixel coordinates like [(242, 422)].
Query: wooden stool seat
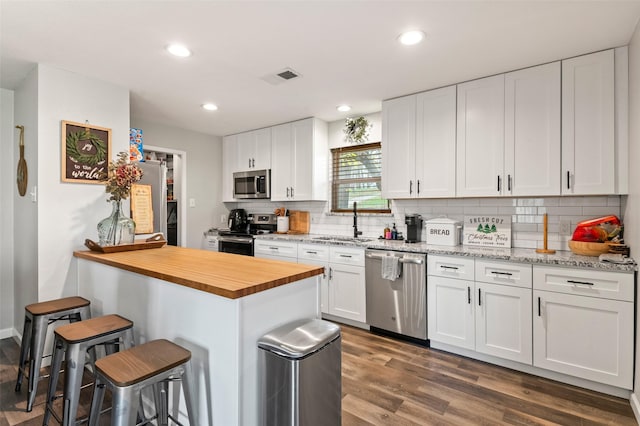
[(72, 343), (155, 364), (141, 362), (93, 328), (37, 318), (55, 306)]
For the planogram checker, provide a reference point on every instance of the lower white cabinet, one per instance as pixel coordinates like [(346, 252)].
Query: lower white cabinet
[(316, 254), (490, 314), (347, 297), (585, 327), (276, 250)]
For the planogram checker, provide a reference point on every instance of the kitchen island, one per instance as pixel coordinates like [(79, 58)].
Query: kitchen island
[(216, 305)]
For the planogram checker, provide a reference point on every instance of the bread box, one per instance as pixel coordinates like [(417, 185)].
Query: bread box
[(443, 231)]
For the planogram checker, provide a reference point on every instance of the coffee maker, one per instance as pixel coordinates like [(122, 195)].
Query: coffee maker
[(238, 221), (414, 227)]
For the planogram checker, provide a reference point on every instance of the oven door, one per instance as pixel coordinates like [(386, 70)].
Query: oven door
[(236, 245)]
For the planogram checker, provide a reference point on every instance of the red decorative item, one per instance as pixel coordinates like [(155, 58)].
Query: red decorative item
[(600, 230)]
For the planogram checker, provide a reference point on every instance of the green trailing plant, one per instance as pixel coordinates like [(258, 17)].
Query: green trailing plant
[(356, 130)]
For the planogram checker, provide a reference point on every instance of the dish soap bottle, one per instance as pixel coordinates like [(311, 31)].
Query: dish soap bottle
[(387, 233), (394, 232)]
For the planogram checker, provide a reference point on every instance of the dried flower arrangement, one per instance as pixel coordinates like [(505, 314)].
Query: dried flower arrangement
[(122, 174)]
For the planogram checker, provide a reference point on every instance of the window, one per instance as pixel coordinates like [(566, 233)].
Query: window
[(356, 177)]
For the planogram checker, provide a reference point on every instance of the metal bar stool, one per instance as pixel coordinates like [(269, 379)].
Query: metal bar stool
[(37, 318), (72, 342), (126, 373)]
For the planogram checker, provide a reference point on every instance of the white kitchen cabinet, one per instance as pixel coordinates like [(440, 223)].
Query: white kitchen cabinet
[(419, 145), (480, 137), (588, 120), (228, 165), (583, 324), (347, 290), (489, 315), (254, 150), (450, 301), (299, 161), (532, 131), (317, 254), (276, 250)]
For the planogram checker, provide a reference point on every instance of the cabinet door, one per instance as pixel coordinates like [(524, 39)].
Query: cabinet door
[(398, 147), (262, 149), (347, 293), (228, 164), (532, 131), (245, 152), (435, 152), (302, 164), (585, 337), (281, 159), (324, 283), (450, 313), (503, 322), (480, 137), (588, 135)]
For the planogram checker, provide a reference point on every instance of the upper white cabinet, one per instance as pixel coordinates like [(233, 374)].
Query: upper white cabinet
[(418, 145), (299, 168), (254, 150), (480, 140), (509, 134), (594, 103), (532, 131), (229, 146)]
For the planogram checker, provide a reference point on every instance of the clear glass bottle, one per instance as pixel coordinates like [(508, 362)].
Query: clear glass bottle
[(116, 229)]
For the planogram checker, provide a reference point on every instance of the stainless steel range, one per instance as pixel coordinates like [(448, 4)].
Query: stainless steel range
[(239, 238)]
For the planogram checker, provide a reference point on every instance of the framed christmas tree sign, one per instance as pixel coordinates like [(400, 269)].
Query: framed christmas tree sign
[(86, 150), (487, 231)]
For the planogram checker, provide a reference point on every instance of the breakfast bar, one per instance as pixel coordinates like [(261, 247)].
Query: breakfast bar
[(217, 305)]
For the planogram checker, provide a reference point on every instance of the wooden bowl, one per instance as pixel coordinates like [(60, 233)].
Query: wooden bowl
[(588, 249)]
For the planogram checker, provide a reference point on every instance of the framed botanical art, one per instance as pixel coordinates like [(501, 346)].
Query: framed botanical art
[(86, 150)]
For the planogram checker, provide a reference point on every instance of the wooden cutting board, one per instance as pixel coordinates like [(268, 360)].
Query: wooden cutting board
[(299, 222)]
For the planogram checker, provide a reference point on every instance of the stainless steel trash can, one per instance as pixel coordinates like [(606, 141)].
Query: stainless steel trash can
[(300, 380)]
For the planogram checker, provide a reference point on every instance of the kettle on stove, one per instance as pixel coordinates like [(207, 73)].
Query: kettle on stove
[(238, 220)]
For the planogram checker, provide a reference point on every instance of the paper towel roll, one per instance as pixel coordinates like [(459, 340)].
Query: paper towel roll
[(282, 224)]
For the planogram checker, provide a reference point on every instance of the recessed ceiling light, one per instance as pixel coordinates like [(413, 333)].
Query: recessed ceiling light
[(410, 38), (210, 107), (178, 50), (344, 108)]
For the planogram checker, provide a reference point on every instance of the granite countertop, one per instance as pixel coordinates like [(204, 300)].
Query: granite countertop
[(560, 258)]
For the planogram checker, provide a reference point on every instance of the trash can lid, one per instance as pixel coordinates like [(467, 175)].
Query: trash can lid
[(299, 338)]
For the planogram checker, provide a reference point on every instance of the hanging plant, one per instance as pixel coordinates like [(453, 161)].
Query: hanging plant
[(356, 130)]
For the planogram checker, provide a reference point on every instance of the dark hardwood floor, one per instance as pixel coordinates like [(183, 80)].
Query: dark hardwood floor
[(388, 382)]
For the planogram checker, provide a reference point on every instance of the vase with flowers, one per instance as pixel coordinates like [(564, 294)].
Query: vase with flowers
[(118, 228)]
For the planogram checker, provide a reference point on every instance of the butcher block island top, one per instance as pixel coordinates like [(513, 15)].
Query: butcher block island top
[(227, 275)]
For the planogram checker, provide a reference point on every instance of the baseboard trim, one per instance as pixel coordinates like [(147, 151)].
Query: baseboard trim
[(635, 406), (6, 333)]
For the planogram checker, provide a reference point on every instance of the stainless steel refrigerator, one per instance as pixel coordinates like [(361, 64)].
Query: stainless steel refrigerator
[(154, 173)]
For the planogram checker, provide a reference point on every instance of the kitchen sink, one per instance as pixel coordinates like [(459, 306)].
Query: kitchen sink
[(342, 239)]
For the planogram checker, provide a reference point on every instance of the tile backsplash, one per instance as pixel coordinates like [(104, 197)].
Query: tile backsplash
[(526, 215)]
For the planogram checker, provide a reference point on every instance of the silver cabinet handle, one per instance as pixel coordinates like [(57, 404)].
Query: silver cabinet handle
[(501, 273), (292, 192), (249, 162), (454, 268), (330, 273), (253, 162), (311, 252), (287, 192), (580, 282), (346, 255), (410, 187)]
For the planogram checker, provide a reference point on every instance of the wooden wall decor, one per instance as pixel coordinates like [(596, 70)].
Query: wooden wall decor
[(86, 150), (22, 175)]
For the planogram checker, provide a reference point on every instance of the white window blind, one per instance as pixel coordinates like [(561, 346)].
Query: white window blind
[(357, 177)]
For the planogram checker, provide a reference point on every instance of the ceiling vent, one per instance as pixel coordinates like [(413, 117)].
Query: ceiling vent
[(281, 76)]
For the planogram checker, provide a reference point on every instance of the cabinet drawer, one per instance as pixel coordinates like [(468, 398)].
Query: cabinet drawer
[(277, 248), (313, 252), (346, 255), (506, 273), (451, 267), (584, 282)]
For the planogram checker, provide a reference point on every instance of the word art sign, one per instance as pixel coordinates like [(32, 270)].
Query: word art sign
[(85, 152), (487, 231)]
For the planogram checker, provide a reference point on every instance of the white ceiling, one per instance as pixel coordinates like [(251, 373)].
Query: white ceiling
[(346, 51)]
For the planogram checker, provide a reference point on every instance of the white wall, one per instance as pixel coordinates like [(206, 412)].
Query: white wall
[(7, 187), (25, 224), (632, 214), (336, 130), (69, 212), (204, 173)]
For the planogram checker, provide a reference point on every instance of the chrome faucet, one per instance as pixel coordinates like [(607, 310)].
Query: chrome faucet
[(355, 222)]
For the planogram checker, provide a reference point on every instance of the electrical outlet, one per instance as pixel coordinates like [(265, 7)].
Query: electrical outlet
[(565, 228), (223, 218)]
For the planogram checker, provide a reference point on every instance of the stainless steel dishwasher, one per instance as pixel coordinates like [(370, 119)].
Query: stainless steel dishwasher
[(398, 306)]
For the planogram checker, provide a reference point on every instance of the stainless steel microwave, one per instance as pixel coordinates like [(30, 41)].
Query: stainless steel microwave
[(252, 184)]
